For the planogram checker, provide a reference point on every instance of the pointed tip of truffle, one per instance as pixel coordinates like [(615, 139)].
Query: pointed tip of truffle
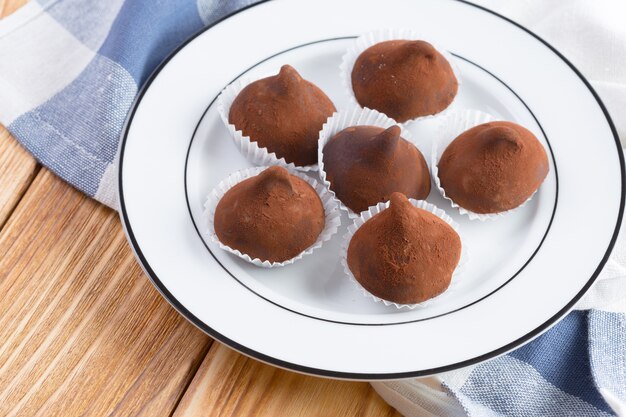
[(420, 48), (274, 176), (390, 135), (400, 211), (398, 202), (288, 75), (502, 137), (288, 69), (385, 142)]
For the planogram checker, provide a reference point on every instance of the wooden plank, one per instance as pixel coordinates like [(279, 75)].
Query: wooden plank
[(83, 331), (17, 170), (230, 384)]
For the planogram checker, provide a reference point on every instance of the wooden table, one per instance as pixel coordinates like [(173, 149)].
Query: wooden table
[(83, 332)]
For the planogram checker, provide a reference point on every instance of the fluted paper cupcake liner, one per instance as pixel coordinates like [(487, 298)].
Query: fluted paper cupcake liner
[(249, 148), (450, 127), (331, 224), (374, 210), (368, 39), (355, 116)]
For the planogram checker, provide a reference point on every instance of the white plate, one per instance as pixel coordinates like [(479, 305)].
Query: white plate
[(526, 270)]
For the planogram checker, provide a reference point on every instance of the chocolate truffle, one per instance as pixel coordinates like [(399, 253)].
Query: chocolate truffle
[(273, 216), (283, 113), (404, 254), (493, 167), (403, 79), (365, 164)]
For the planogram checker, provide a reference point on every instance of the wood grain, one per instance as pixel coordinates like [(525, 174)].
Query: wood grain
[(83, 331), (230, 384), (17, 170)]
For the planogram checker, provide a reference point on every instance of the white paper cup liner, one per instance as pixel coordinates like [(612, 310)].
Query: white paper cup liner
[(374, 210), (332, 215), (368, 39), (250, 149), (450, 127), (355, 116)]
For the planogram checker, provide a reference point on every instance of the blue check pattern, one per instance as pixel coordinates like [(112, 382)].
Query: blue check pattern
[(72, 123)]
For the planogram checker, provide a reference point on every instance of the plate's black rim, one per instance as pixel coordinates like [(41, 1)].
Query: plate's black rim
[(395, 323), (351, 375)]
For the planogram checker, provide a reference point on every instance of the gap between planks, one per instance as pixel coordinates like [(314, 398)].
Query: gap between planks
[(230, 384), (17, 172)]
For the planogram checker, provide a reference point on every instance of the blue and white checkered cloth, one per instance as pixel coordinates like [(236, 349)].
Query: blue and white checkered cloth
[(69, 71)]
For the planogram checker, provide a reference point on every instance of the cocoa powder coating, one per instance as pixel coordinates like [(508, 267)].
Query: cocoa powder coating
[(493, 167), (273, 216), (403, 79), (283, 113), (404, 254), (366, 164)]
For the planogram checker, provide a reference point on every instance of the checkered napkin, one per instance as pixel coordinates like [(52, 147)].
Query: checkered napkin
[(70, 69)]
